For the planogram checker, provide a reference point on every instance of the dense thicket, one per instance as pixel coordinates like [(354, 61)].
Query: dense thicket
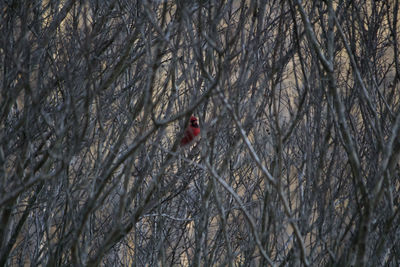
[(297, 164)]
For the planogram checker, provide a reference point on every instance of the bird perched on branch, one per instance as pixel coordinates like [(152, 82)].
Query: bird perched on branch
[(191, 131)]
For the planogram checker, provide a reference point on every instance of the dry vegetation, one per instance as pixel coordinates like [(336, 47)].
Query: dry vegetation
[(297, 164)]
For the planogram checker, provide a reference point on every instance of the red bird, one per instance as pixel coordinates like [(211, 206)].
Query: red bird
[(191, 131)]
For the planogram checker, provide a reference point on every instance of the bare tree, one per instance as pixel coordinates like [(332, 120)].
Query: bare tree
[(297, 164)]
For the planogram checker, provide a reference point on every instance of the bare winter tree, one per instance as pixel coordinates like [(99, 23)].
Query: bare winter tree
[(296, 165)]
